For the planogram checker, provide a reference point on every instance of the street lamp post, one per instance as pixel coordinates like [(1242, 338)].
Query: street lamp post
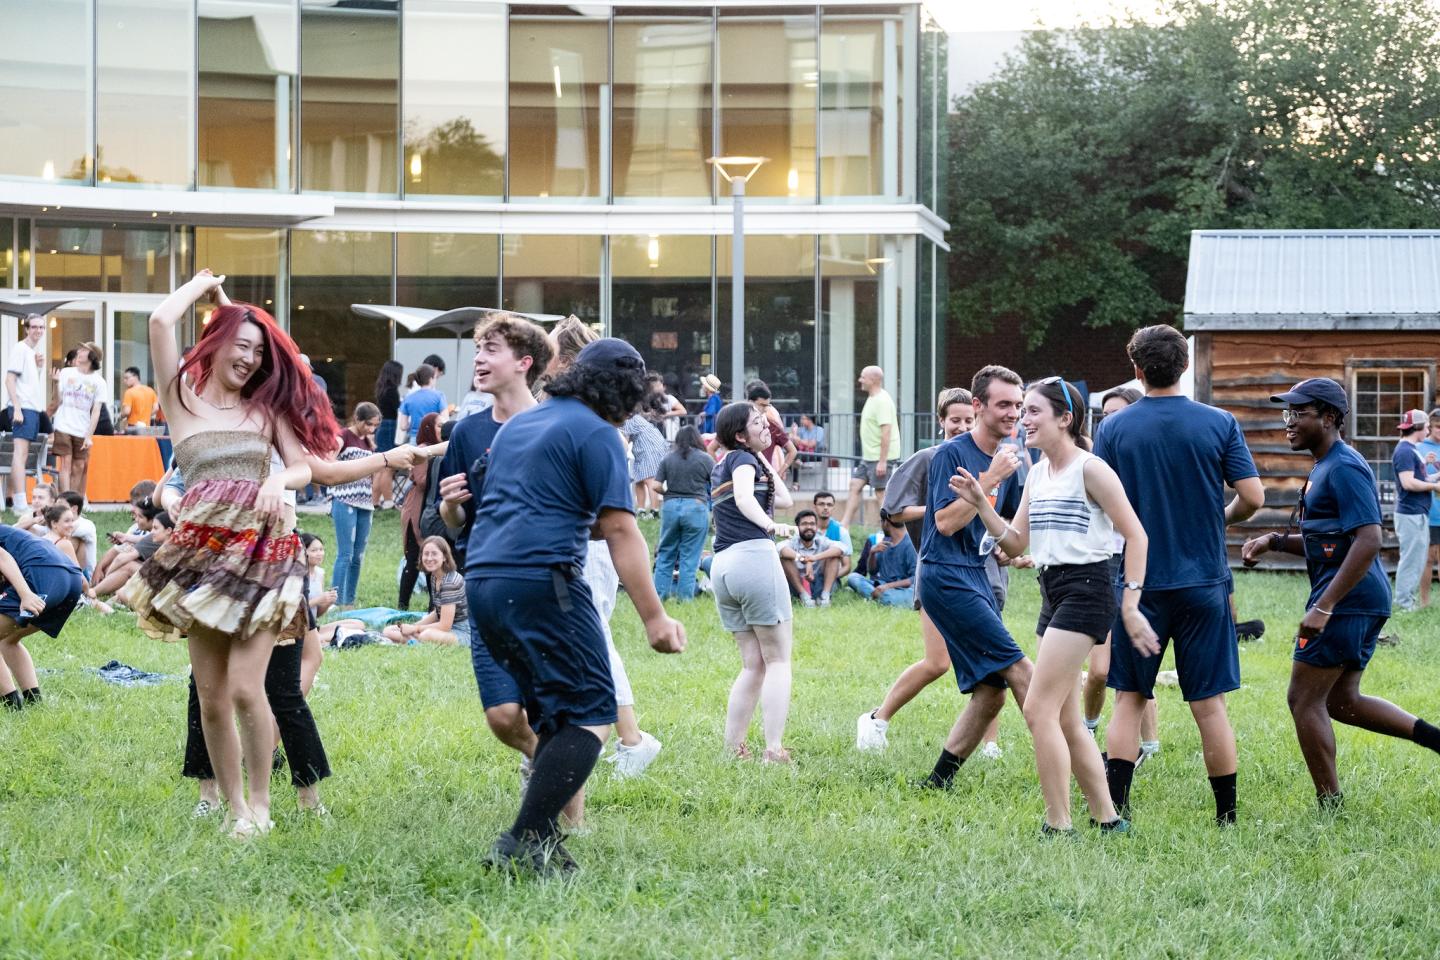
[(736, 171)]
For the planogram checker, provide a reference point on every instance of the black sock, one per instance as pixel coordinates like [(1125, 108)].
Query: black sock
[(12, 700), (1426, 735), (558, 771), (32, 695), (1118, 774), (944, 773), (1224, 788), (1330, 802)]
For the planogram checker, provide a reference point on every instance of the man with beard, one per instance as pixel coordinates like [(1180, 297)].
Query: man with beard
[(1339, 537), (810, 561)]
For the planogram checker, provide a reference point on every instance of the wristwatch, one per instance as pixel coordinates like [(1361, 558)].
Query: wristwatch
[(1135, 585)]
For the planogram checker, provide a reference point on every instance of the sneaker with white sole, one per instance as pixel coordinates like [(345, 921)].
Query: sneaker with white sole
[(991, 750), (870, 732), (204, 809), (807, 600), (824, 599), (632, 761), (526, 768)]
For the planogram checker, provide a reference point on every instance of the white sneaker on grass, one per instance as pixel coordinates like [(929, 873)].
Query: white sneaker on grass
[(991, 750), (824, 599), (632, 761), (807, 600), (870, 732)]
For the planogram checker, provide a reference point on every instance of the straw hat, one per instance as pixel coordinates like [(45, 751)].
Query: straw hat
[(710, 382)]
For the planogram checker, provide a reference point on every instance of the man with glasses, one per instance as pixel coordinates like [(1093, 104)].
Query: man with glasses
[(1339, 536), (23, 390), (1174, 457)]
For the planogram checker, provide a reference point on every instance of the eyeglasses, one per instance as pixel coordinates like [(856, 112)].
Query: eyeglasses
[(1289, 416), (1064, 389)]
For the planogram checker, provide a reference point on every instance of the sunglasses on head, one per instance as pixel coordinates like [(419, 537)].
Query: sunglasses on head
[(1064, 390)]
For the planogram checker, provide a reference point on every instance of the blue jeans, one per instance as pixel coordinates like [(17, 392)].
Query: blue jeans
[(352, 532), (894, 597), (683, 525)]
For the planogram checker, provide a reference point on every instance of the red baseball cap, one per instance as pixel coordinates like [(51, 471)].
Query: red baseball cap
[(1414, 420)]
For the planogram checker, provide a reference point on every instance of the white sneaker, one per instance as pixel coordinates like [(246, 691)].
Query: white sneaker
[(824, 599), (807, 601), (991, 750), (870, 732), (632, 761)]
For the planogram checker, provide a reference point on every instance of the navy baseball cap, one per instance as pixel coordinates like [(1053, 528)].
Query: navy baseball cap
[(611, 353), (1316, 389)]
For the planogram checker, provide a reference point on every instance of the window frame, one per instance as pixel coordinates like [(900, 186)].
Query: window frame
[(1356, 366)]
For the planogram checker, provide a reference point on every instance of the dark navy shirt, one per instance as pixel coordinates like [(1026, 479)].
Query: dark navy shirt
[(1174, 457), (732, 526), (895, 562), (28, 551), (552, 470), (962, 549), (1341, 498), (468, 453), (1409, 502)]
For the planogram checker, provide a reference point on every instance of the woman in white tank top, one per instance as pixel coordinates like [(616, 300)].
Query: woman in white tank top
[(1072, 508)]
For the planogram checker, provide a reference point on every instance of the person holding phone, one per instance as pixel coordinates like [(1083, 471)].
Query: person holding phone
[(42, 588)]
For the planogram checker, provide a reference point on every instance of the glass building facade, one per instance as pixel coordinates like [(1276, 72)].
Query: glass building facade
[(548, 158)]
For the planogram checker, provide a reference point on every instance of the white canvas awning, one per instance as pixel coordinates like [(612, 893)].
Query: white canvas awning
[(459, 321)]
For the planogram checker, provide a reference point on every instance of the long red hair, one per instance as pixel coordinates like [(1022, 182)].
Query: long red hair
[(282, 387)]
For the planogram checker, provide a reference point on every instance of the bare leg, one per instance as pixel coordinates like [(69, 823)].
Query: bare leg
[(62, 472), (310, 659), (1095, 680), (1056, 677), (984, 706), (831, 570), (1149, 722), (1217, 739), (920, 674), (852, 503), (1085, 761), (1348, 705), (745, 691), (19, 454), (245, 675), (1310, 689), (775, 644), (992, 732), (1122, 738), (511, 727), (16, 657), (627, 729), (792, 576), (209, 663)]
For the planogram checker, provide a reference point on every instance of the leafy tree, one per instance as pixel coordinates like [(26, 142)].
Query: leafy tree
[(1078, 172)]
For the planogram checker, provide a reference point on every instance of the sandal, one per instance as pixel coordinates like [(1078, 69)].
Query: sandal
[(741, 752), (777, 756)]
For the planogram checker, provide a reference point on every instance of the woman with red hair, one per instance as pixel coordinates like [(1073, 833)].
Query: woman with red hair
[(230, 577)]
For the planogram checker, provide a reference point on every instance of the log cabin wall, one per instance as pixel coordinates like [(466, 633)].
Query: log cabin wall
[(1239, 371)]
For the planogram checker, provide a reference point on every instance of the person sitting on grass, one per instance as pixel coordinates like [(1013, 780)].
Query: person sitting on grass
[(82, 534), (889, 577), (448, 622), (42, 587), (806, 558), (128, 557), (41, 497), (60, 521), (124, 543)]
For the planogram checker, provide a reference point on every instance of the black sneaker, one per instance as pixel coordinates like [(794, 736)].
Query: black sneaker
[(546, 858), (1048, 832), (1118, 825), (1250, 630), (277, 761)]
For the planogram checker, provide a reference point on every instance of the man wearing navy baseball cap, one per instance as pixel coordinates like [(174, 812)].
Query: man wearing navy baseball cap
[(1339, 537), (556, 473)]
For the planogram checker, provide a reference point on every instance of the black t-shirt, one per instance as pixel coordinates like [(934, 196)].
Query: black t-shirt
[(732, 526), (686, 477), (388, 400)]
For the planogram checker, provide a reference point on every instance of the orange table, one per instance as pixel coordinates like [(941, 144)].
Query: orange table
[(118, 463)]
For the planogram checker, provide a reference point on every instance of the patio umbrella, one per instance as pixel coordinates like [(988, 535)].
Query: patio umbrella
[(459, 321), (26, 304)]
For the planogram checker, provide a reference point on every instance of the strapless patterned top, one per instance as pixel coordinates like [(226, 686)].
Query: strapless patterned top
[(225, 571)]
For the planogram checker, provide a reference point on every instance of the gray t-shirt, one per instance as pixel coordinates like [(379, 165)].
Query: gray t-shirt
[(819, 545), (686, 478), (907, 488)]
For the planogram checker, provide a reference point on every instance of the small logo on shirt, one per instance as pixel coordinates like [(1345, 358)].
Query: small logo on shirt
[(1329, 549)]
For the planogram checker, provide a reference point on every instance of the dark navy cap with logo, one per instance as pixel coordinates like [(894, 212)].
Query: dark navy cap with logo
[(1315, 390), (611, 353)]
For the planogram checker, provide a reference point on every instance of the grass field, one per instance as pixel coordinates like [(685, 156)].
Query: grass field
[(705, 857)]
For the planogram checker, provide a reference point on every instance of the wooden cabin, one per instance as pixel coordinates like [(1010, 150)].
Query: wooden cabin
[(1268, 308)]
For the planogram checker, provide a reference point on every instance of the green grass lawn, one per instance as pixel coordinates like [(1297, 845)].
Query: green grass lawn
[(706, 857)]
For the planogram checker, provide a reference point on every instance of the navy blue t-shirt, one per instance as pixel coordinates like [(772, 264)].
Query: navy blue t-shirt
[(895, 562), (1409, 502), (1174, 457), (732, 526), (552, 470), (468, 453), (28, 551), (1341, 498), (962, 549)]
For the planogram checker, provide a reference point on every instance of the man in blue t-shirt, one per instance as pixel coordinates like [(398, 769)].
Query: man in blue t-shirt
[(423, 400), (954, 588), (889, 568), (1429, 450), (555, 476), (1174, 457), (1349, 595), (1413, 494)]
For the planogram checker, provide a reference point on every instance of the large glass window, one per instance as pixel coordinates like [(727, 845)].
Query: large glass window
[(768, 83), (559, 101), (252, 261), (454, 98), (660, 291), (145, 119), (349, 90), (442, 271), (8, 260), (45, 86), (934, 105), (663, 106), (108, 259), (861, 103), (330, 270), (249, 61), (559, 275), (779, 317)]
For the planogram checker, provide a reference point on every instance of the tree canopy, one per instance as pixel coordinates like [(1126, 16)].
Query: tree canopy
[(1079, 170)]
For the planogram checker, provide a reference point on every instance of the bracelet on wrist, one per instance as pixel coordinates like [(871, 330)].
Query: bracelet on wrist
[(1319, 609)]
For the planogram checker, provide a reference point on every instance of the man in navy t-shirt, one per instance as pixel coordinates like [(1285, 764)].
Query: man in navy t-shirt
[(1174, 457), (954, 588), (1349, 595), (1412, 510), (557, 475)]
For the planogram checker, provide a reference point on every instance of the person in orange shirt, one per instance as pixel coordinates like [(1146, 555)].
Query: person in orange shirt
[(137, 403)]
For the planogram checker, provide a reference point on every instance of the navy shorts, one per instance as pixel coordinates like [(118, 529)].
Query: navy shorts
[(30, 428), (552, 646), (60, 586), (1348, 641), (963, 608), (1207, 655), (497, 687)]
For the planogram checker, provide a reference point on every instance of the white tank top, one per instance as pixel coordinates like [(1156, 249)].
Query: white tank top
[(1066, 526)]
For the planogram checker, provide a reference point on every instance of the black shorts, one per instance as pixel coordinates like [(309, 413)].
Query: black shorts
[(1078, 597), (1435, 536)]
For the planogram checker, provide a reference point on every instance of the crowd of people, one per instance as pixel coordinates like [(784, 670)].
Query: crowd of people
[(522, 518)]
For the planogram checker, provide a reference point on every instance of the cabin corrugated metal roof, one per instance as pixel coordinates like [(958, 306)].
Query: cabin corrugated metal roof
[(1313, 279)]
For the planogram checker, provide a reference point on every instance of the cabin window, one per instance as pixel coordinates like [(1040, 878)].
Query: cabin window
[(1380, 393)]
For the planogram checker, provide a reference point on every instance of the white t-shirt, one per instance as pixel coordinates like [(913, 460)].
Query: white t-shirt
[(79, 393), (317, 584), (84, 535), (27, 377)]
